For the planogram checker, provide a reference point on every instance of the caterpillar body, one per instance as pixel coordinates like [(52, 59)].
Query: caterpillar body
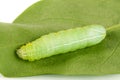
[(62, 42)]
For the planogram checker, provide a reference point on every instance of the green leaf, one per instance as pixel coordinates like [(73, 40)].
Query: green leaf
[(54, 15), (75, 12)]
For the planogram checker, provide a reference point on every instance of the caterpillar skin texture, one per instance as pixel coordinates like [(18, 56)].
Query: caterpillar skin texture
[(62, 42)]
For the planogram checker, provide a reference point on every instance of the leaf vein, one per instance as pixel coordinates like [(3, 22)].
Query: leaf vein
[(113, 52)]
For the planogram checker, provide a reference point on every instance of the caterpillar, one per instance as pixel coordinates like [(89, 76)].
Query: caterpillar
[(62, 42)]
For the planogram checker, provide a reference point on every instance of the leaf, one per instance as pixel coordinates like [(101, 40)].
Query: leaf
[(54, 15), (76, 12)]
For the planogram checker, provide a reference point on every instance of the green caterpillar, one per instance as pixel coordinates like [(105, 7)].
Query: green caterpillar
[(62, 42)]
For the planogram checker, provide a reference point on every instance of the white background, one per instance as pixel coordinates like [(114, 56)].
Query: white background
[(9, 10)]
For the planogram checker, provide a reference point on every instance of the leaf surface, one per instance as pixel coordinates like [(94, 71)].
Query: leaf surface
[(54, 15)]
